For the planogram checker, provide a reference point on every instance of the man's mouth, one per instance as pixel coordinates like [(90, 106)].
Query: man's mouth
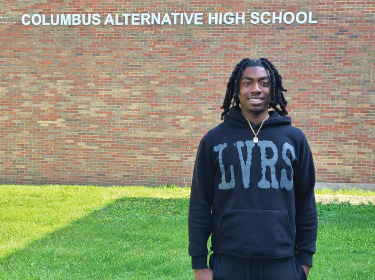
[(255, 100)]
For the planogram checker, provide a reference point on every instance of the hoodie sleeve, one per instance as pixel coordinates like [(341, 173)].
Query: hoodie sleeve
[(200, 216), (306, 214)]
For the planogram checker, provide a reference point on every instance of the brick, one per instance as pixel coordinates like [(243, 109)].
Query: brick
[(125, 105)]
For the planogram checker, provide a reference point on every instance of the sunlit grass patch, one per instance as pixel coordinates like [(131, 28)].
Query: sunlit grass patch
[(346, 191), (346, 243)]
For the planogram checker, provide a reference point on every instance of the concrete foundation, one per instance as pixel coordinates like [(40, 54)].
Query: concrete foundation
[(338, 186)]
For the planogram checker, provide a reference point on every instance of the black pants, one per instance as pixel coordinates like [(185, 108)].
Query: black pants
[(226, 267)]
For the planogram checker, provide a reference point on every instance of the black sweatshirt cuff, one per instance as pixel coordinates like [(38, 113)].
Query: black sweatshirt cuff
[(199, 262), (305, 258)]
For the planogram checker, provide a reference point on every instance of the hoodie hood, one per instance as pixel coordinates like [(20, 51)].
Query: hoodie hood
[(236, 120)]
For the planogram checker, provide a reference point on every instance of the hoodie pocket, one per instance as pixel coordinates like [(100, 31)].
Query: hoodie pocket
[(257, 233)]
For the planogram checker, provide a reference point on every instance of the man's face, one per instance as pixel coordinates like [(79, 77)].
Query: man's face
[(255, 90)]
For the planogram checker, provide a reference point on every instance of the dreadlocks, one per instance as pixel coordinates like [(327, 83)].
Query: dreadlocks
[(233, 86)]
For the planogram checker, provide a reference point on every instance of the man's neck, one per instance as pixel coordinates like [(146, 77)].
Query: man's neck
[(255, 118)]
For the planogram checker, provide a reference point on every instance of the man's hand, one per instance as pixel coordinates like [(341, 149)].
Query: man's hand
[(203, 274), (306, 269)]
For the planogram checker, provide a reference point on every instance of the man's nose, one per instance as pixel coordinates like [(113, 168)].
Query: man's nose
[(256, 88)]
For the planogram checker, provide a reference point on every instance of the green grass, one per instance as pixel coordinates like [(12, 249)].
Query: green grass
[(347, 191), (77, 232), (346, 242), (86, 232)]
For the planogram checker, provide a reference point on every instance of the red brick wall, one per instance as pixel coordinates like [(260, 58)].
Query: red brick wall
[(124, 105)]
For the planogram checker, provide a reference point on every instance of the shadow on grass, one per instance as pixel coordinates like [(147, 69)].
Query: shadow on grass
[(131, 238)]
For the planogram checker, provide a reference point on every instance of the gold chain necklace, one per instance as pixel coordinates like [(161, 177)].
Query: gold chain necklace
[(255, 139)]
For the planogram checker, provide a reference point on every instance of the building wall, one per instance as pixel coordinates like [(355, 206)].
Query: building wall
[(128, 104)]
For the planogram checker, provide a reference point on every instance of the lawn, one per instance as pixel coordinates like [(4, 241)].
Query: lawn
[(87, 232)]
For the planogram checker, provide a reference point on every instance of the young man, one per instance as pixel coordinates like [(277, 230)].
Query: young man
[(253, 186)]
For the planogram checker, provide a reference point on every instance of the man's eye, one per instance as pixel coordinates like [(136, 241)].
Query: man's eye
[(265, 84)]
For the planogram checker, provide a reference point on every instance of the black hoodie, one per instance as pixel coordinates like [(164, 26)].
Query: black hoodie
[(257, 200)]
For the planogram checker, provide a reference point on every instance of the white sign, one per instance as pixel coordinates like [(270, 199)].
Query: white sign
[(169, 18)]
